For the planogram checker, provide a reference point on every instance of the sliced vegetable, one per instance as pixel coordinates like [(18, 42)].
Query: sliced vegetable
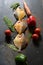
[(8, 22), (15, 5), (35, 36), (37, 31), (8, 32), (20, 58), (26, 8), (31, 21)]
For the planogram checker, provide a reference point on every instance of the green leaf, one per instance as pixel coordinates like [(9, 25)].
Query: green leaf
[(29, 36), (8, 22), (12, 47), (15, 5)]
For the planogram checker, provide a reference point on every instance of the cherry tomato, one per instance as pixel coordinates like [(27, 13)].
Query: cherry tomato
[(31, 21), (35, 36), (37, 30), (7, 32)]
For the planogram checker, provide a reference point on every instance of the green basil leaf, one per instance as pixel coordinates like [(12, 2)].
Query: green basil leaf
[(29, 36), (15, 5), (8, 22), (12, 47)]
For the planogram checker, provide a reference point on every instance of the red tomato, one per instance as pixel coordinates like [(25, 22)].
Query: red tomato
[(7, 32), (31, 21), (35, 36), (37, 30)]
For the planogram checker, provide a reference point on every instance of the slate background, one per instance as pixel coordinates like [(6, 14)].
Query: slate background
[(33, 52)]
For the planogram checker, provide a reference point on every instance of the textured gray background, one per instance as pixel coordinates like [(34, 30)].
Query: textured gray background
[(34, 53)]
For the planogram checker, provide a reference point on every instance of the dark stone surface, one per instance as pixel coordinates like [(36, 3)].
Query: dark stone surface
[(33, 52)]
